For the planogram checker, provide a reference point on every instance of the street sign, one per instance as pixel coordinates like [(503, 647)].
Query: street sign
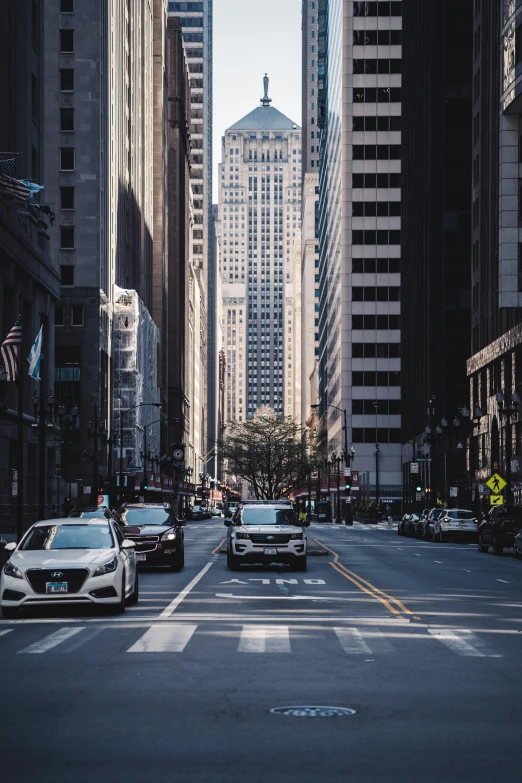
[(15, 475), (86, 489), (418, 496), (347, 472), (454, 492), (496, 483), (14, 489), (414, 467), (496, 500)]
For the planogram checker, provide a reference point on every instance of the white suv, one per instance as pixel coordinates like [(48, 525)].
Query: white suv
[(455, 523), (266, 533)]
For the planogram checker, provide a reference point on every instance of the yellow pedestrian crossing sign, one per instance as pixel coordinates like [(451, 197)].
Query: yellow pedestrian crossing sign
[(496, 500), (496, 483)]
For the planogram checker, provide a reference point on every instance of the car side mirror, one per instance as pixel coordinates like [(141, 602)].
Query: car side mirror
[(10, 547), (128, 544)]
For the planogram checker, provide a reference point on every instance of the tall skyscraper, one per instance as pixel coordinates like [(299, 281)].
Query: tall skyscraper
[(359, 82), (196, 19), (259, 223)]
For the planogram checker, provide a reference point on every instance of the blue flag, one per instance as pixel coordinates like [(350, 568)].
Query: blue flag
[(35, 355)]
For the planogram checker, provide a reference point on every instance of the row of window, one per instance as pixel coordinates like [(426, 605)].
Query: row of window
[(379, 265), (382, 378), (381, 65), (377, 37), (376, 209), (376, 123), (376, 180), (376, 151), (76, 315), (367, 237), (381, 293), (372, 435), (186, 6), (377, 8), (375, 350), (384, 407), (375, 322), (377, 95)]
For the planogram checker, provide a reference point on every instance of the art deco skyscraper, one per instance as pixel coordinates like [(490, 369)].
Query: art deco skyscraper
[(259, 223)]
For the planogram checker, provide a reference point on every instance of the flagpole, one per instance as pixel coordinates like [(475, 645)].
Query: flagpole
[(20, 436)]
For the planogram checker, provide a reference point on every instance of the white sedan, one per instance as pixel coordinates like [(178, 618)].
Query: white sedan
[(70, 561)]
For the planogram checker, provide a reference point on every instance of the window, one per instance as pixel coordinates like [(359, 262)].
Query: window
[(67, 237), (377, 95), (376, 237), (382, 65), (66, 6), (59, 315), (67, 158), (376, 294), (66, 79), (67, 274), (376, 180), (66, 119), (376, 209), (377, 37), (77, 315), (67, 40), (376, 152)]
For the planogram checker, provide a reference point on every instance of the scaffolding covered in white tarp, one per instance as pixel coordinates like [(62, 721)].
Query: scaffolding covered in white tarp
[(135, 352)]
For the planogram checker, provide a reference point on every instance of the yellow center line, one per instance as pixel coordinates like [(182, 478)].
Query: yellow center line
[(216, 550), (378, 594)]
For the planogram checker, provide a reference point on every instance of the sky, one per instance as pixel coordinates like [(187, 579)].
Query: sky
[(251, 38)]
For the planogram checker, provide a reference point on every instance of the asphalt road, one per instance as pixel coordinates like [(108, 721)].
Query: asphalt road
[(422, 640)]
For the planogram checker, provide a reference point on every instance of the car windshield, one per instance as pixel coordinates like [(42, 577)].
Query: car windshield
[(68, 537), (98, 513), (145, 516), (461, 515), (268, 516)]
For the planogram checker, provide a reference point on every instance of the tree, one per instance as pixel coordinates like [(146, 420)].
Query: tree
[(269, 452)]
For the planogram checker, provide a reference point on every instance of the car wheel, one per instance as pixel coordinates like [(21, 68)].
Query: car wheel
[(134, 596), (299, 564), (119, 608), (177, 560), (482, 547), (399, 531), (10, 612), (498, 549), (232, 562)]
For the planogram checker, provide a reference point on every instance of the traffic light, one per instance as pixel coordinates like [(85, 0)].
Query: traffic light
[(348, 485), (418, 489)]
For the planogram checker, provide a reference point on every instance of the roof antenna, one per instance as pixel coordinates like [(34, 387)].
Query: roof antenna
[(265, 100)]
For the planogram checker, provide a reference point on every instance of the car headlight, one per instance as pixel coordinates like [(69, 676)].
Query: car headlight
[(107, 568), (170, 536), (12, 570), (297, 536), (242, 535)]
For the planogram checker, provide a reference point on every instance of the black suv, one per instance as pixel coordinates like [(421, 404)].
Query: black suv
[(499, 528), (158, 533)]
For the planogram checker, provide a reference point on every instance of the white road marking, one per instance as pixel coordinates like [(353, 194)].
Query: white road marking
[(352, 641), (86, 636), (272, 597), (164, 638), (8, 630), (53, 640), (176, 602), (469, 647), (438, 561), (416, 555), (264, 639), (503, 581)]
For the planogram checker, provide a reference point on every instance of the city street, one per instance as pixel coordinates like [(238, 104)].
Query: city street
[(423, 641)]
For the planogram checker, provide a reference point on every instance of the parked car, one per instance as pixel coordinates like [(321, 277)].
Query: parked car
[(216, 512), (195, 512), (266, 534), (517, 545), (401, 528), (73, 561), (156, 531), (499, 528), (433, 514), (91, 512), (455, 523), (418, 528)]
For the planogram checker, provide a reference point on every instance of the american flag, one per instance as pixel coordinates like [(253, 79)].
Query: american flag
[(15, 186), (10, 349), (8, 166)]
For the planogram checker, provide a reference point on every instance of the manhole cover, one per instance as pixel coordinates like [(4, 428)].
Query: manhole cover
[(313, 712)]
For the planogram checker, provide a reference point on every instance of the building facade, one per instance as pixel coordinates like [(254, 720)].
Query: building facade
[(259, 221), (360, 62), (495, 367), (99, 156), (196, 20)]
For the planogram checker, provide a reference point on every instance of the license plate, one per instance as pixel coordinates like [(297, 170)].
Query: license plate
[(140, 556), (270, 552), (56, 587)]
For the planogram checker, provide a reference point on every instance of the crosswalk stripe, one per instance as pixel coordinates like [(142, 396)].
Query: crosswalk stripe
[(53, 640), (85, 636), (470, 646), (6, 630), (352, 641), (164, 638), (264, 639)]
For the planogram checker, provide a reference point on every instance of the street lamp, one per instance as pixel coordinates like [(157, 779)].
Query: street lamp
[(347, 455)]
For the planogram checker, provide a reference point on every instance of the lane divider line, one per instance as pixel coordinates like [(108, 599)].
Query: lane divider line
[(380, 595), (171, 608)]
